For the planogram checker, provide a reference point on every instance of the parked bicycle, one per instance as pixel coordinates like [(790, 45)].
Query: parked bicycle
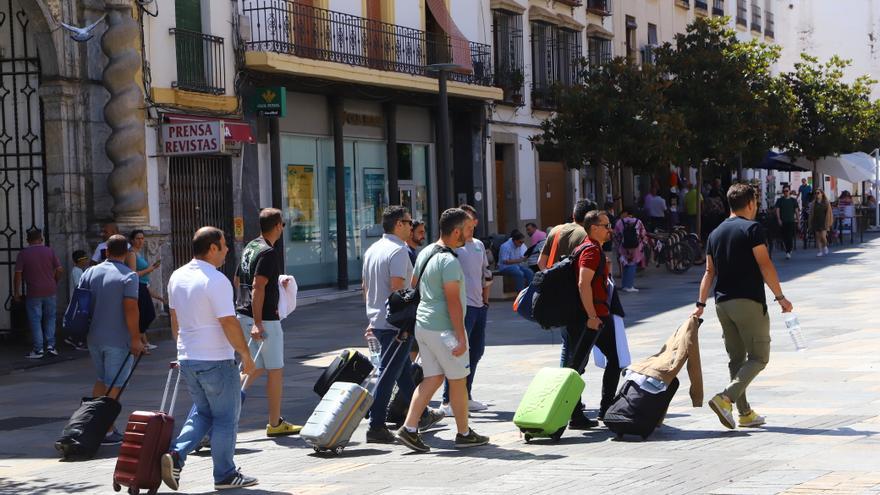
[(672, 249)]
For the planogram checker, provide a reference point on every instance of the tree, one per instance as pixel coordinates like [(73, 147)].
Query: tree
[(618, 115), (832, 116)]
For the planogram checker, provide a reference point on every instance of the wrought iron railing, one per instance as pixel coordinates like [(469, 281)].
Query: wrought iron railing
[(284, 26), (201, 63), (600, 7), (769, 24), (756, 18)]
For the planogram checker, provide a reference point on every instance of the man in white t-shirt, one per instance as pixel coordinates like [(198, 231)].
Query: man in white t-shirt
[(474, 260), (208, 336), (655, 206)]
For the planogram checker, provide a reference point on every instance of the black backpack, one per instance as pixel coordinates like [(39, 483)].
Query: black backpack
[(557, 300), (630, 235)]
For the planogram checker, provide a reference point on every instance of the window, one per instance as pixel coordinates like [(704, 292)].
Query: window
[(769, 26), (741, 13), (599, 51), (508, 40), (718, 7), (631, 49), (652, 34), (556, 54), (756, 18)]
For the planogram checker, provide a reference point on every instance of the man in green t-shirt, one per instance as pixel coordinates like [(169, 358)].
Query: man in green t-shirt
[(690, 206), (786, 216), (440, 331)]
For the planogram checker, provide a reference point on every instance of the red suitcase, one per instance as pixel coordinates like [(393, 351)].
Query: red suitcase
[(147, 436)]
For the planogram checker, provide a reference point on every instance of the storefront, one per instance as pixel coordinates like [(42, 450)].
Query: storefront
[(309, 188)]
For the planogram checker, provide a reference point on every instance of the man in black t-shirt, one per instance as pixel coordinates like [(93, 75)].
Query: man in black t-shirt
[(257, 310), (737, 257)]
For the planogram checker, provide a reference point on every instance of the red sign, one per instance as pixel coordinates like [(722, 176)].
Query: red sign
[(192, 138)]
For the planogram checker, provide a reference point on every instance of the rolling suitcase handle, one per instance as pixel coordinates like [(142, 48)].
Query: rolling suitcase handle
[(376, 370), (256, 355), (171, 367), (125, 383)]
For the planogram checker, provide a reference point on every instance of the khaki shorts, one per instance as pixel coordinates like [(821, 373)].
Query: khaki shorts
[(437, 359)]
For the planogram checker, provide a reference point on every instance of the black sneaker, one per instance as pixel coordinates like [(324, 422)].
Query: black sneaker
[(430, 418), (470, 440), (412, 440), (582, 423), (52, 352), (170, 470), (380, 435), (69, 341), (112, 438), (236, 480)]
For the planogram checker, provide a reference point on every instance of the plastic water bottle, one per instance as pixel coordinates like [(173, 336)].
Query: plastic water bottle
[(375, 350), (449, 339), (794, 331)]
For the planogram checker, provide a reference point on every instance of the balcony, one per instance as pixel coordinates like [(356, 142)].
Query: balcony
[(599, 7), (756, 18), (769, 25), (201, 64), (289, 28), (718, 7), (571, 3)]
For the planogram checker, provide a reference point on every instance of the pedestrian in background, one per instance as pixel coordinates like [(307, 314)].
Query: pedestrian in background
[(786, 218), (113, 332), (204, 324), (820, 221), (80, 264), (631, 237), (738, 263), (257, 311), (138, 262), (415, 240), (38, 267), (512, 258), (107, 230), (535, 234)]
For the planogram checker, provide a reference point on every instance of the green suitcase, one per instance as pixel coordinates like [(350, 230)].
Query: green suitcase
[(549, 401)]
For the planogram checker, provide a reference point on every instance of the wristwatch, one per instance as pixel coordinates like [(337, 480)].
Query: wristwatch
[(779, 297), (701, 305)]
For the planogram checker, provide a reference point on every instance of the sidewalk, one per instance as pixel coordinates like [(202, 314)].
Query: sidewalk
[(821, 405)]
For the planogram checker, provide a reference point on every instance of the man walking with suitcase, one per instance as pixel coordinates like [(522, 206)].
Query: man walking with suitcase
[(114, 330), (738, 263), (387, 268), (257, 310), (440, 331), (208, 336)]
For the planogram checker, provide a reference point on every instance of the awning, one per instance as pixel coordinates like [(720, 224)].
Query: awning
[(778, 161), (236, 129), (461, 49), (851, 167)]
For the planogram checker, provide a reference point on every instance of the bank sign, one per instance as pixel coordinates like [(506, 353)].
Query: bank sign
[(193, 138), (270, 102)]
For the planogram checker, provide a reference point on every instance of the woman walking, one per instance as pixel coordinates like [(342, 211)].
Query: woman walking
[(137, 262), (821, 220), (630, 237)]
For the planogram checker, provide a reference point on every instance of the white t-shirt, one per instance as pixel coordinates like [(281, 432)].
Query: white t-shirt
[(472, 257), (199, 294), (656, 206)]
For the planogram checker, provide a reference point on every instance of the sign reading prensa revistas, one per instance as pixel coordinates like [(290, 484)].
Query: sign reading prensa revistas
[(192, 138)]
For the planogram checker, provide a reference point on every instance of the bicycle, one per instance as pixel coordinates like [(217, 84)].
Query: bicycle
[(671, 250)]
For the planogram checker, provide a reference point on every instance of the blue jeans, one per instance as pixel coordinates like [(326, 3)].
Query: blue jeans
[(522, 274), (41, 315), (629, 275), (215, 390), (108, 361), (397, 370), (475, 326)]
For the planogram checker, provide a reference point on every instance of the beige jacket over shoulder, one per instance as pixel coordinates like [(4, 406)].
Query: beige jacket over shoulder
[(682, 347)]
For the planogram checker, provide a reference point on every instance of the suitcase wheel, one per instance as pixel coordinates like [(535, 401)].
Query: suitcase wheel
[(620, 436), (338, 450), (134, 491), (116, 487), (557, 435), (528, 438)]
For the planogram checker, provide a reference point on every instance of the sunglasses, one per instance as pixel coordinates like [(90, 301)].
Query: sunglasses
[(606, 225)]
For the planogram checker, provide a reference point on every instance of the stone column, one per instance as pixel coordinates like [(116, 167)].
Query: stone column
[(124, 114)]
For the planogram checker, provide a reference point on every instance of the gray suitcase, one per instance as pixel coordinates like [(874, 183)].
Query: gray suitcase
[(331, 425)]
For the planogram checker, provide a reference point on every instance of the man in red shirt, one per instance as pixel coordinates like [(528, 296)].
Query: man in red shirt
[(39, 269), (592, 285)]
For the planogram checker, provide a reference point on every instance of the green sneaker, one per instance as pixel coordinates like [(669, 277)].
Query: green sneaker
[(751, 420), (412, 440), (470, 440), (724, 409)]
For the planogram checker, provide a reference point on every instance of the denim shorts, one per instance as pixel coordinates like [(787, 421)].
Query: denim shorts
[(272, 355), (108, 360)]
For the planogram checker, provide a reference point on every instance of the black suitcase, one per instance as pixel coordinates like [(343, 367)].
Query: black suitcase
[(637, 412), (81, 438), (350, 366), (398, 406)]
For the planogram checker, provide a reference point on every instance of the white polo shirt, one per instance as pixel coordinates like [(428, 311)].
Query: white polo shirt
[(199, 294)]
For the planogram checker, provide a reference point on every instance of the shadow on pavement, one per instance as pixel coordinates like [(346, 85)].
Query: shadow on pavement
[(350, 454), (491, 452), (42, 486)]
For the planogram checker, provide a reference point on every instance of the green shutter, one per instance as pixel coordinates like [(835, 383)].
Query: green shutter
[(190, 48), (189, 14)]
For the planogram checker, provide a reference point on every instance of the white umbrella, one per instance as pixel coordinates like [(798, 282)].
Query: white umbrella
[(852, 167)]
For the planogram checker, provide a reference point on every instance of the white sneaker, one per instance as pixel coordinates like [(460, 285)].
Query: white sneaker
[(820, 254), (826, 250), (150, 347), (630, 289), (446, 410), (475, 405), (788, 256)]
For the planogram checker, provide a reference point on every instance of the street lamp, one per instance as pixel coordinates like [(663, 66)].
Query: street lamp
[(443, 136)]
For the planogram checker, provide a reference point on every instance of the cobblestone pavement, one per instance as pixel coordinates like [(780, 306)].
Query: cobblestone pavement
[(821, 406)]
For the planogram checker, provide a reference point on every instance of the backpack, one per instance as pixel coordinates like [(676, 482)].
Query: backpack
[(557, 300), (402, 304), (78, 316), (630, 235)]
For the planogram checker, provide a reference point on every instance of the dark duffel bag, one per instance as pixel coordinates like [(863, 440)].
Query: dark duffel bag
[(635, 411), (398, 406), (81, 438), (350, 366)]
